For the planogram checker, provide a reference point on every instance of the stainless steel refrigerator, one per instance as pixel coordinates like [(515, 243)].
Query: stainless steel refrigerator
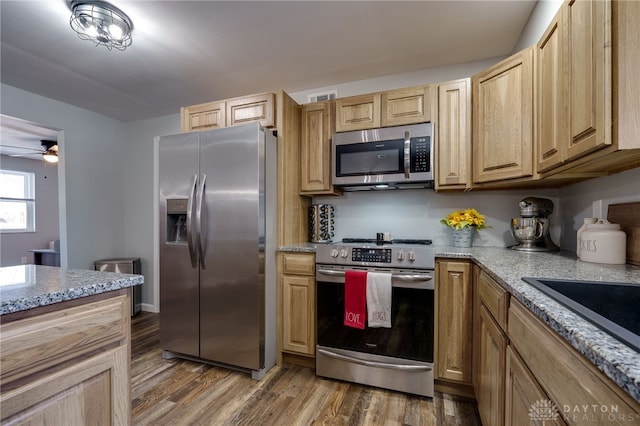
[(217, 211)]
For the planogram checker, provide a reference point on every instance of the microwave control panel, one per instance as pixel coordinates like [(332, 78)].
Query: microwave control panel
[(420, 154)]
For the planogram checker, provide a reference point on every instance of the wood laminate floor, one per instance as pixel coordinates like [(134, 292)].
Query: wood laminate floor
[(182, 392)]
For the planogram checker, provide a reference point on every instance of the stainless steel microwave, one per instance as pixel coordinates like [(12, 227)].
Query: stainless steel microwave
[(386, 158)]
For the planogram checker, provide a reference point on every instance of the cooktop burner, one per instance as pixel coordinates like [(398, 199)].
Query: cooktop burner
[(395, 241)]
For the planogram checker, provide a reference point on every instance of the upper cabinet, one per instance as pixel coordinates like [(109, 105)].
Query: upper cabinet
[(550, 124), (502, 120), (588, 112), (229, 112), (405, 106), (358, 112), (452, 130), (317, 128), (386, 109)]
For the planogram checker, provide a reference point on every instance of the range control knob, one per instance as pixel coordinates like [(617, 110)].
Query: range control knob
[(412, 256), (334, 253), (400, 255), (344, 253)]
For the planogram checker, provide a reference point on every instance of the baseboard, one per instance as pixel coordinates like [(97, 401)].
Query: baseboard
[(146, 307)]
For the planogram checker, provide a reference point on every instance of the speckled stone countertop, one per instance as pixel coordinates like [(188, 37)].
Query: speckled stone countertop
[(614, 358), (26, 287)]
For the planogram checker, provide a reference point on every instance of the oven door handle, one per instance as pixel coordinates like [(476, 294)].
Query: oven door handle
[(399, 277), (402, 367)]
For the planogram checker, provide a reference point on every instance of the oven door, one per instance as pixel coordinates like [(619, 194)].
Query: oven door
[(412, 316)]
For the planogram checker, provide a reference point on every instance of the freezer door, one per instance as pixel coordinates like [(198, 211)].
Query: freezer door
[(232, 272), (179, 289)]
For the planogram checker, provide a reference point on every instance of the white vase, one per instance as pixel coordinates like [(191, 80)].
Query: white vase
[(462, 237)]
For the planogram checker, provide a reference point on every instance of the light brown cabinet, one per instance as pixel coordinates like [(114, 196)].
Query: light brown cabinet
[(298, 303), (454, 321), (503, 120), (550, 114), (523, 394), (573, 381), (452, 129), (406, 106), (203, 117), (358, 112), (411, 105), (68, 366), (317, 128), (588, 111), (230, 112), (490, 345)]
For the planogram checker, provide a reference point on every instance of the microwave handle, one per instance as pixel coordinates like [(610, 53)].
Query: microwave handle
[(407, 155)]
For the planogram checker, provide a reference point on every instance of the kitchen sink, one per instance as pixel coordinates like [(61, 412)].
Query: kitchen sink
[(613, 307)]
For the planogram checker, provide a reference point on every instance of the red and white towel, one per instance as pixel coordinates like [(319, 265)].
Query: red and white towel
[(379, 299), (355, 298)]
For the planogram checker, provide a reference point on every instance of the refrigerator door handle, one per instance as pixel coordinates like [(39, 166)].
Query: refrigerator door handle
[(192, 251), (200, 229)]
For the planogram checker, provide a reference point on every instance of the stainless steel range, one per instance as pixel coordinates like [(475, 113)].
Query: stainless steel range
[(399, 357)]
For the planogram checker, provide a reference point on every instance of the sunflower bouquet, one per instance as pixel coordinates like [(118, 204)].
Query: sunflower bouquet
[(461, 219)]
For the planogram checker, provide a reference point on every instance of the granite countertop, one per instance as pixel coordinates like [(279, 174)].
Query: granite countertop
[(26, 287), (615, 359)]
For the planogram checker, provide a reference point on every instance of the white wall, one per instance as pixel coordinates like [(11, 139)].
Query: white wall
[(399, 81), (417, 213), (138, 195), (578, 200), (14, 246), (538, 21), (90, 171)]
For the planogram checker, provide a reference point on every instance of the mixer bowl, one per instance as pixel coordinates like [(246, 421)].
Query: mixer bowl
[(529, 230)]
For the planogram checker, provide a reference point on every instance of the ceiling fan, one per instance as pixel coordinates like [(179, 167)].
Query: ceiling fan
[(48, 151)]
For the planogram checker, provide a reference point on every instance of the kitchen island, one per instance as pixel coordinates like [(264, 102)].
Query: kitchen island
[(65, 345)]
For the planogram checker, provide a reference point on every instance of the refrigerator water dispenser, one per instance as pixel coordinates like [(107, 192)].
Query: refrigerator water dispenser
[(177, 220)]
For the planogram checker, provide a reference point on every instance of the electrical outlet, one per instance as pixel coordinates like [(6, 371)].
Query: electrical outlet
[(23, 260)]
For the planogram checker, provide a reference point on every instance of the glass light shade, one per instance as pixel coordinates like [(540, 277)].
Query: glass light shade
[(50, 156), (101, 23)]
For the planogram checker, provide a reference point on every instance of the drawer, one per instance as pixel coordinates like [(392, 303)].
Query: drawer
[(299, 264), (35, 344), (566, 376), (494, 297)]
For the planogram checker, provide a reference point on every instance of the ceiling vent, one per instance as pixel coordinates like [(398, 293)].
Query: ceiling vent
[(325, 96)]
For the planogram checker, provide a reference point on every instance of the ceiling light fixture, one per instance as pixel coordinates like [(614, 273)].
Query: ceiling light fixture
[(50, 154), (101, 23)]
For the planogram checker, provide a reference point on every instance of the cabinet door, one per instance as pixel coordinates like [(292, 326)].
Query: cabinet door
[(492, 345), (454, 313), (502, 121), (588, 24), (358, 112), (525, 401), (551, 135), (202, 117), (298, 313), (318, 126), (406, 106), (252, 108), (95, 391), (453, 137)]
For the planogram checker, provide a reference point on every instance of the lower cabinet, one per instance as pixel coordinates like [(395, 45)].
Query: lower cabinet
[(525, 401), (298, 290), (68, 366), (491, 347), (454, 322)]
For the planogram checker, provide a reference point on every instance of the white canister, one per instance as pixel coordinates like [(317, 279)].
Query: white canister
[(603, 242), (587, 221)]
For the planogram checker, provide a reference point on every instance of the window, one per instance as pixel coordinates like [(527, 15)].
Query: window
[(17, 201)]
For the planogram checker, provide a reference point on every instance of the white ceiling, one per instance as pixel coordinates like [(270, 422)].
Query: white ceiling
[(188, 52)]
